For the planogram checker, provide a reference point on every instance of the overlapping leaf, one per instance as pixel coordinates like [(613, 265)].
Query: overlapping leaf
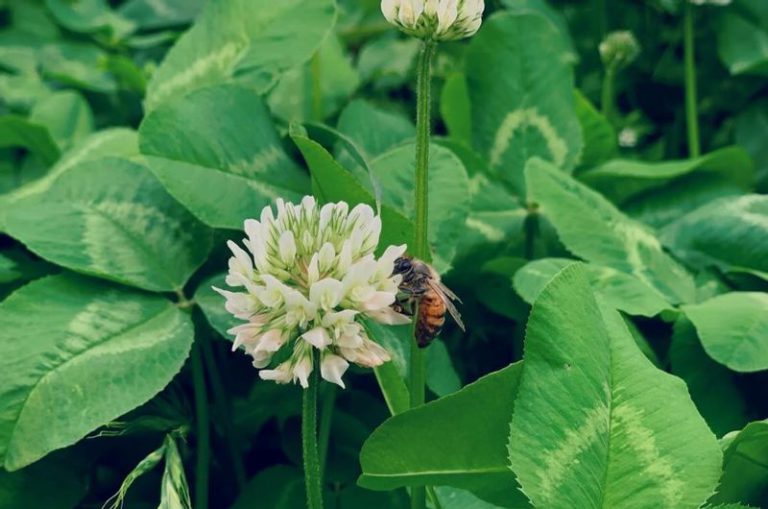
[(410, 448), (111, 218), (592, 228), (595, 423), (251, 42), (521, 91), (730, 234), (622, 291), (217, 152), (99, 352), (734, 329)]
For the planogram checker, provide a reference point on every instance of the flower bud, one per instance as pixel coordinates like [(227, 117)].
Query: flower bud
[(619, 49), (436, 20)]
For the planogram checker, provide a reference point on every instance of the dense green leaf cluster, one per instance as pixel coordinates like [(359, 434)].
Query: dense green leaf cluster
[(615, 289)]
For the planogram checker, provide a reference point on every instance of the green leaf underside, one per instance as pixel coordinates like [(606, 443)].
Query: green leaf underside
[(730, 234), (622, 291), (109, 142), (622, 179), (217, 152), (734, 329), (521, 95), (411, 449), (19, 132), (711, 385), (111, 218), (593, 229), (251, 42), (448, 197), (596, 425), (743, 38), (745, 466), (100, 352), (332, 183)]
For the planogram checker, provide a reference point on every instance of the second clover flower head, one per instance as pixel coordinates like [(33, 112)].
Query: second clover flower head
[(306, 277), (437, 20)]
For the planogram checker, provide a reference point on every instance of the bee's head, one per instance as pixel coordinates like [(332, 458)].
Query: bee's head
[(403, 265)]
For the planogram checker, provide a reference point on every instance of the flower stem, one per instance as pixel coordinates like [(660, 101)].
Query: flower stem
[(421, 237), (691, 99), (222, 408), (312, 475), (203, 421), (326, 421), (423, 105), (608, 100)]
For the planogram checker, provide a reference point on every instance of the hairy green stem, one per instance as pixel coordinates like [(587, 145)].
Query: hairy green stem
[(203, 422), (326, 420), (691, 99), (420, 248), (312, 473), (222, 407)]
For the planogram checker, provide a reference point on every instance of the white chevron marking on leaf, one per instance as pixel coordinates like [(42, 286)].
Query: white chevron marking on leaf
[(520, 119), (559, 460)]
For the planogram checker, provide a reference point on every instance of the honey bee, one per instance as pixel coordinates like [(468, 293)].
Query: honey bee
[(423, 294)]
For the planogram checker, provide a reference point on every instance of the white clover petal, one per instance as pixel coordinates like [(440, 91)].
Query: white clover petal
[(369, 355), (326, 257), (246, 334), (339, 318), (313, 270), (332, 368), (287, 248), (377, 300), (241, 305), (447, 14), (302, 369), (239, 265), (282, 374), (326, 293), (271, 341), (386, 263), (388, 316), (317, 337)]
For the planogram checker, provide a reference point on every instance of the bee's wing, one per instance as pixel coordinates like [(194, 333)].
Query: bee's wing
[(446, 295)]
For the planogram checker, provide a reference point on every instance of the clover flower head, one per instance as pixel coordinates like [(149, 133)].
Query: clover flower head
[(438, 20), (306, 277), (619, 49)]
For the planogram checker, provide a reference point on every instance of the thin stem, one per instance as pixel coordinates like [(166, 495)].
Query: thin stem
[(221, 402), (312, 474), (203, 421), (691, 99), (421, 240), (326, 420), (608, 100), (423, 105)]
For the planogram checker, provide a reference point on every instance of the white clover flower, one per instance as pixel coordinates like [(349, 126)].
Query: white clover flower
[(438, 20), (619, 49), (307, 275)]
